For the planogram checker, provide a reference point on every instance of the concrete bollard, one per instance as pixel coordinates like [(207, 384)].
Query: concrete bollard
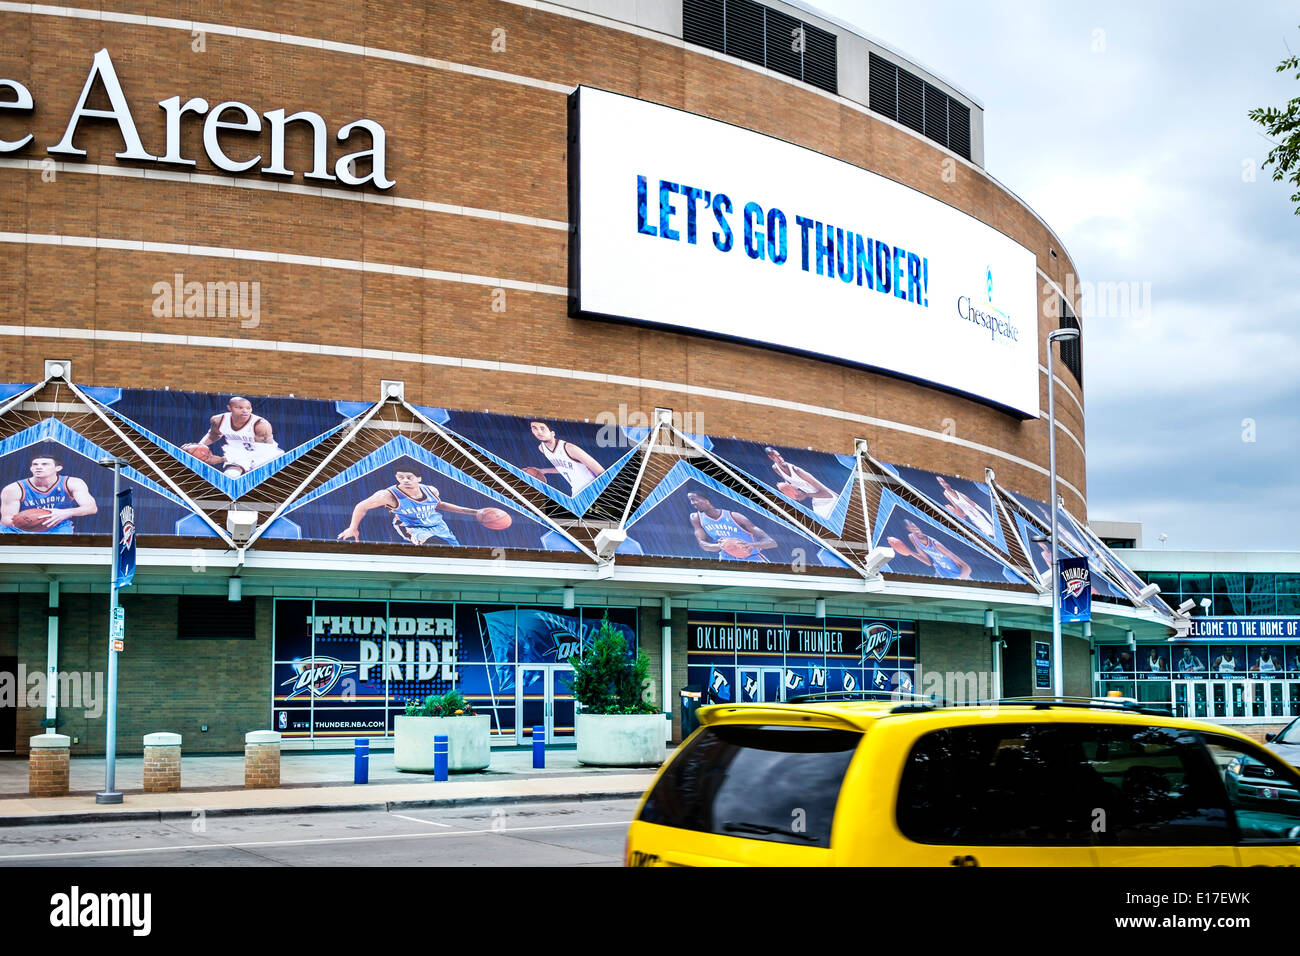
[(162, 762), (47, 765), (261, 759)]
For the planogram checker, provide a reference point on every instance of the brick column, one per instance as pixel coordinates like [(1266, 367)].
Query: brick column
[(162, 762), (261, 759), (47, 765)]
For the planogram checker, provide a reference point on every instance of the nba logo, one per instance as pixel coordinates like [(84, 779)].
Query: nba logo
[(284, 720)]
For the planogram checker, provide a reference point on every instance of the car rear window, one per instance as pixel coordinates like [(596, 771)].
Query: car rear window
[(771, 783)]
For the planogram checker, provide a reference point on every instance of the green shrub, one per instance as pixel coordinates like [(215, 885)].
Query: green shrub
[(450, 704), (606, 679)]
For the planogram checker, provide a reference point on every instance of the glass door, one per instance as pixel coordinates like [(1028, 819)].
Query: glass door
[(543, 699)]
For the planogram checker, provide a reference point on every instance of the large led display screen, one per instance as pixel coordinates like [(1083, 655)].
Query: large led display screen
[(691, 223)]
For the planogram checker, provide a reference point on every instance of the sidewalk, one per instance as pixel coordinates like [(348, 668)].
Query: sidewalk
[(310, 783)]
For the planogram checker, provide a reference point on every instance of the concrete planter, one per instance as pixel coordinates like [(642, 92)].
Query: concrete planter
[(467, 743), (621, 740)]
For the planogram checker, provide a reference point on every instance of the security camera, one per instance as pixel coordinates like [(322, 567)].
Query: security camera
[(608, 540), (1186, 606), (1205, 605), (877, 559), (240, 524), (1148, 592)]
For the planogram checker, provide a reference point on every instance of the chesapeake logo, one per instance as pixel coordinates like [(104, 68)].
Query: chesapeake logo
[(365, 166), (987, 314), (76, 909)]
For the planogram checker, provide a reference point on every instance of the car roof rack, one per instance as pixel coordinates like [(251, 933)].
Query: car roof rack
[(1116, 703), (884, 696)]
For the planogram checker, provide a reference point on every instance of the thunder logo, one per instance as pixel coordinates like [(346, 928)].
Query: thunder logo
[(876, 639), (316, 674)]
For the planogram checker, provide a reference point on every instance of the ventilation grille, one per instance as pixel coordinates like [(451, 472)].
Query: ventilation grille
[(908, 99), (772, 39), (1071, 349)]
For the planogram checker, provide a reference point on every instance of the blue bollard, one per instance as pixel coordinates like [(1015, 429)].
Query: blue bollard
[(440, 757), (361, 760), (539, 746)]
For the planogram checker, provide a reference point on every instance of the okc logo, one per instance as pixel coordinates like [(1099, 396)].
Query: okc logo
[(1074, 589), (876, 639), (317, 675), (127, 517)]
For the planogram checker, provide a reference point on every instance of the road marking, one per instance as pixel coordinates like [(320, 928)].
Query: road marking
[(317, 840), (432, 823)]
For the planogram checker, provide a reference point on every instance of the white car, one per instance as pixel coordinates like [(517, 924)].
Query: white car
[(1286, 743)]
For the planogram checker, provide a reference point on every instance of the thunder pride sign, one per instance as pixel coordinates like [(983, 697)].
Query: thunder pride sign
[(687, 222)]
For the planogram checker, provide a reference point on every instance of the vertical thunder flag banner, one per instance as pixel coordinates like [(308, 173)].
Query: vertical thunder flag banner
[(1075, 583), (125, 538)]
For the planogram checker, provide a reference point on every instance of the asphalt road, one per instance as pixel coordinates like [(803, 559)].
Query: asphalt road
[(589, 833)]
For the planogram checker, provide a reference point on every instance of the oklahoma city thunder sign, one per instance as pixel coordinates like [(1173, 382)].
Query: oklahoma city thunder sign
[(1075, 583)]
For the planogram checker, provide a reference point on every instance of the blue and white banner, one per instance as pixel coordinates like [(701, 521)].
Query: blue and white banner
[(125, 538), (1074, 581), (687, 222)]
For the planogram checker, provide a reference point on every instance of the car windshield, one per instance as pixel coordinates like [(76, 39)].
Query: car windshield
[(1290, 734)]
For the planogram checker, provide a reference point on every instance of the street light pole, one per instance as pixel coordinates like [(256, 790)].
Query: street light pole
[(1058, 670), (109, 794)]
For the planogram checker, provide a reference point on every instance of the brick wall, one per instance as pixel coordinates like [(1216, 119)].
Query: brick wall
[(456, 139), (163, 683)]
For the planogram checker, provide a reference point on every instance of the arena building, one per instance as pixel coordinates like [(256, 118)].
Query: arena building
[(432, 335)]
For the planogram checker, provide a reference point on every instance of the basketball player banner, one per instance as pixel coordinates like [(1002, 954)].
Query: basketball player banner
[(232, 441), (570, 462), (813, 482), (51, 483), (923, 549), (970, 502), (1074, 581), (403, 494), (690, 515)]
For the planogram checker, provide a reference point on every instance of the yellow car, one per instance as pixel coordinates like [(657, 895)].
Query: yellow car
[(1039, 782)]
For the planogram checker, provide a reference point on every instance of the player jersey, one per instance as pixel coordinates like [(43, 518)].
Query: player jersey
[(976, 515), (57, 497), (577, 474), (944, 566), (410, 513), (1227, 665), (1267, 665), (245, 437), (725, 526), (793, 477)]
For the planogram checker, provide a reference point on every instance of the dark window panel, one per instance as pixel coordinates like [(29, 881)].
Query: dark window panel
[(1261, 605), (703, 23), (936, 114), (959, 128), (820, 60), (883, 92), (784, 53), (1286, 583), (744, 25), (1229, 583), (911, 101)]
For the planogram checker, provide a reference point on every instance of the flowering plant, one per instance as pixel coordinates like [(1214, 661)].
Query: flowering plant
[(450, 704)]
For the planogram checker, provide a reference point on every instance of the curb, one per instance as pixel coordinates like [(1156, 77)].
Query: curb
[(129, 816)]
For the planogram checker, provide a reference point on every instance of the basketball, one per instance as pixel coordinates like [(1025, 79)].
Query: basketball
[(199, 450), (31, 519), (493, 518), (790, 491), (737, 548), (535, 472)]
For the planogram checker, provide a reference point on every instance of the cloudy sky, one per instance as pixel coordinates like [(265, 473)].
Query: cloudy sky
[(1124, 126)]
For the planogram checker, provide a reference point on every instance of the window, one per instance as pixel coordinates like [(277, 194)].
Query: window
[(1264, 793), (203, 618), (759, 783), (750, 31), (1071, 349), (1061, 785), (906, 98)]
